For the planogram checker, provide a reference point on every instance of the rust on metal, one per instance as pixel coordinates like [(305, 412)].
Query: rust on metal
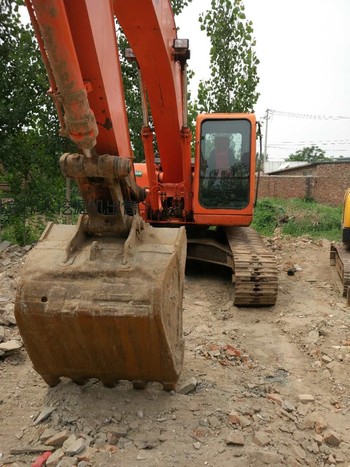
[(106, 166), (79, 120), (111, 310)]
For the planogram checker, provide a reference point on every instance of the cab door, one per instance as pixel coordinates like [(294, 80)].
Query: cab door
[(224, 176)]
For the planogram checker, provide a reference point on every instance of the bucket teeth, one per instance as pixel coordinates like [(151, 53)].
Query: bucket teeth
[(169, 386), (109, 382), (80, 381), (139, 384), (51, 380)]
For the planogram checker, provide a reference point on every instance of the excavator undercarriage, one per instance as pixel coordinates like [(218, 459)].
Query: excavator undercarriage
[(340, 258), (254, 268)]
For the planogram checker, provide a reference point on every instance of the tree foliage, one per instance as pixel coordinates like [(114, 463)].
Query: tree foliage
[(29, 142), (179, 5), (309, 154), (132, 96), (233, 61)]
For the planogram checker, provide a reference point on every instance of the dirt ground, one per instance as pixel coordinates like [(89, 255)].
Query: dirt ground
[(269, 386)]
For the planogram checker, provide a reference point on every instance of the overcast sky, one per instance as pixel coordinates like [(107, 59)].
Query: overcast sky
[(304, 52)]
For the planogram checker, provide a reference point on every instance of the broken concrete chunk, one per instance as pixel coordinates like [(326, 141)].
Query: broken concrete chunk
[(10, 346), (3, 320), (73, 446), (332, 438), (58, 439), (261, 439), (306, 398), (55, 457), (46, 434), (187, 387), (11, 319), (235, 439), (44, 414)]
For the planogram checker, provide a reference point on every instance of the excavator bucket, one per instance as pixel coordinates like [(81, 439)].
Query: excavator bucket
[(106, 311)]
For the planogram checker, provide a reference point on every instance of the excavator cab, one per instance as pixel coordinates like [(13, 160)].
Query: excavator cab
[(225, 165)]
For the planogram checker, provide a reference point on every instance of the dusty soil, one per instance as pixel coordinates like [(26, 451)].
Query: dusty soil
[(269, 386)]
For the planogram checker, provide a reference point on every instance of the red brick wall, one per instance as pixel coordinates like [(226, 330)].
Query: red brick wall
[(325, 183), (283, 186), (331, 183)]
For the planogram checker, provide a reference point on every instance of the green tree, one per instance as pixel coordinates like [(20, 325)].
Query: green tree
[(309, 154), (29, 142), (233, 61), (132, 96), (178, 5)]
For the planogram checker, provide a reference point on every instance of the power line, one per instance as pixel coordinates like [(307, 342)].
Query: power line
[(281, 113), (284, 148), (295, 145), (314, 143)]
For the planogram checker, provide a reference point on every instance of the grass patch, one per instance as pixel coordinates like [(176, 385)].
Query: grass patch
[(297, 217), (26, 231)]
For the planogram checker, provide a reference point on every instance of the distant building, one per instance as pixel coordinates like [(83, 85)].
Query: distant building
[(325, 182), (274, 166)]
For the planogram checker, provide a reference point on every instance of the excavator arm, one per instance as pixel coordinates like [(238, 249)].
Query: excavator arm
[(104, 298), (78, 42)]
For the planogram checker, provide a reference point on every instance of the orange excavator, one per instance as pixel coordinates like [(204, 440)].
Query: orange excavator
[(103, 298)]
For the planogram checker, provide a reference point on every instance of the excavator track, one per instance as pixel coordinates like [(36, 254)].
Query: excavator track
[(340, 258), (255, 268)]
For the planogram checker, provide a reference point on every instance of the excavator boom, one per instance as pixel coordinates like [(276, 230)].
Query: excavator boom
[(104, 298)]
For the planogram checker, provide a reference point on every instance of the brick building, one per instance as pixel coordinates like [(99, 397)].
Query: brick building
[(325, 182)]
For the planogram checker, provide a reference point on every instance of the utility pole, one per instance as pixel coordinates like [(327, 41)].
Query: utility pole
[(266, 128)]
